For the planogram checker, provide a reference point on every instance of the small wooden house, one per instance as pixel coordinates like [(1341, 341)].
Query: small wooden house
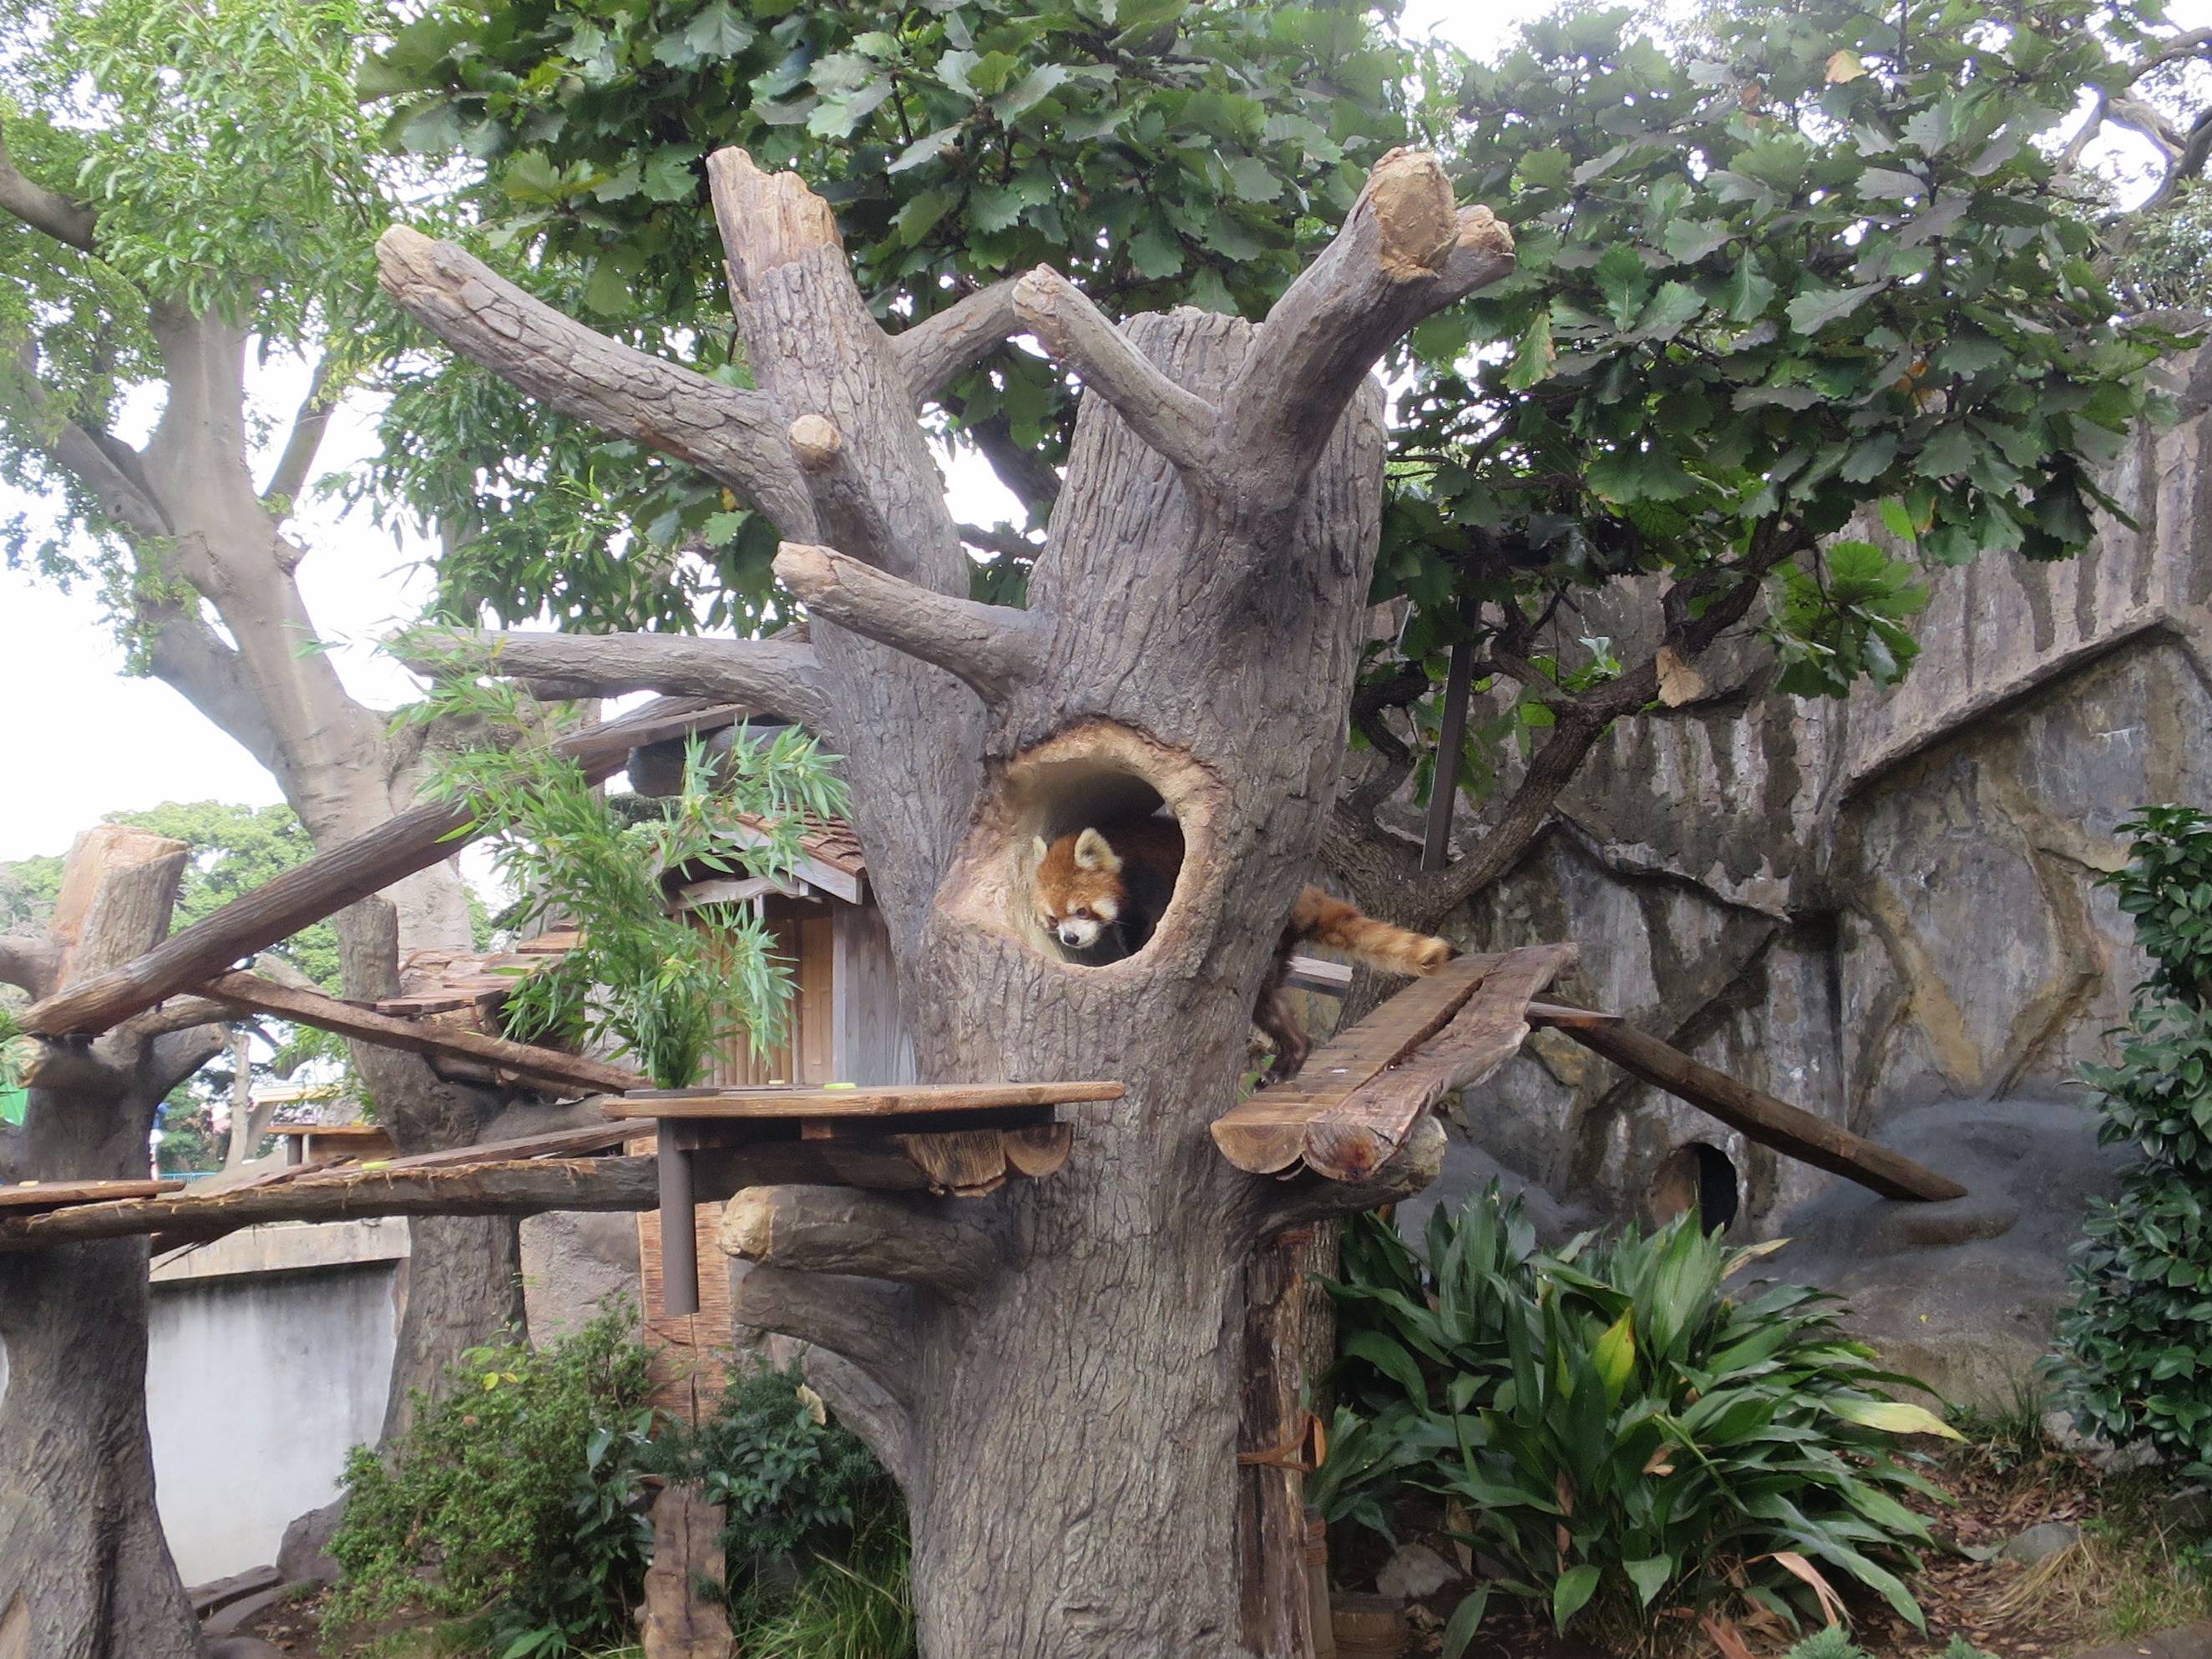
[(845, 1027)]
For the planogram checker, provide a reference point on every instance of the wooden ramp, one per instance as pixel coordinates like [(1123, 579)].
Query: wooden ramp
[(1348, 1112)]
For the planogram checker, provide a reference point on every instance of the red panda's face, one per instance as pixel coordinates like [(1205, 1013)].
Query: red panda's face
[(1079, 888)]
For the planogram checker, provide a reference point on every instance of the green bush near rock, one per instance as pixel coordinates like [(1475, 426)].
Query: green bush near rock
[(515, 1510), (2136, 1345), (1615, 1434)]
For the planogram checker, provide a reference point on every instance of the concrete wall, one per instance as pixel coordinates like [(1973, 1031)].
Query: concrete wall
[(269, 1355)]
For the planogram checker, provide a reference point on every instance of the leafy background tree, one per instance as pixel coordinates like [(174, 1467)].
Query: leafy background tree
[(1787, 272)]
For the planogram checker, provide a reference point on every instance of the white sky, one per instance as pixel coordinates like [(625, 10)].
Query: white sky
[(82, 739)]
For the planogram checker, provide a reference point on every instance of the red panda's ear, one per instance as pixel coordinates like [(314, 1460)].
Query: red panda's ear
[(1091, 853), (1042, 851)]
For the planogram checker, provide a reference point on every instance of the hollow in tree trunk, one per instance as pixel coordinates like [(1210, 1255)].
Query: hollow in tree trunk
[(1059, 1401)]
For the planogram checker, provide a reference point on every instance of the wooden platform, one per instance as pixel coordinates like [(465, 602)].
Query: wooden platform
[(1347, 1113), (31, 1197), (961, 1139)]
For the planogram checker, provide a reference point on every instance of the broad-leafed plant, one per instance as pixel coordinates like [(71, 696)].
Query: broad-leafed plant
[(1613, 1428)]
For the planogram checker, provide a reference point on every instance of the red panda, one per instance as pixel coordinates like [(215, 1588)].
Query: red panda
[(1100, 894)]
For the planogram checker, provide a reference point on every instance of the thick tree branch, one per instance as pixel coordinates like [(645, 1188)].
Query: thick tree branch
[(939, 348), (843, 506), (106, 468), (521, 1187), (28, 963), (187, 655), (864, 1320), (1177, 422), (1278, 1207), (994, 648), (869, 1409), (774, 676), (308, 427), (1004, 540), (184, 1014), (1026, 474), (174, 1056), (933, 1243), (56, 215), (1405, 252), (731, 434)]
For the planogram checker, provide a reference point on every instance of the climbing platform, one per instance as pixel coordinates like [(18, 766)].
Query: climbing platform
[(1347, 1113), (964, 1140)]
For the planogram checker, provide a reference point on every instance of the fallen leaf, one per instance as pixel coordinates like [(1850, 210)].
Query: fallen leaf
[(1679, 682)]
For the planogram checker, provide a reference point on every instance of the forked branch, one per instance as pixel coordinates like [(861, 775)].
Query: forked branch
[(1175, 421), (939, 348), (730, 434), (845, 1229), (66, 220), (28, 963), (862, 1319), (992, 647), (1405, 251), (774, 676)]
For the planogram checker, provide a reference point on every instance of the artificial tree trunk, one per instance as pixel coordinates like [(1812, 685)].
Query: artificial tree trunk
[(1061, 1405), (85, 1572)]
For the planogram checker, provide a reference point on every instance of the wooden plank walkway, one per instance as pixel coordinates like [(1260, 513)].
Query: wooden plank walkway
[(1348, 1111)]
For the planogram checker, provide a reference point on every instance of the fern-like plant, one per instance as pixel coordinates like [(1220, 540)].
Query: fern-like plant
[(663, 990)]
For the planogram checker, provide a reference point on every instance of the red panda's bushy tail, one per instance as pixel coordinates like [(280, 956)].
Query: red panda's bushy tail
[(1344, 928)]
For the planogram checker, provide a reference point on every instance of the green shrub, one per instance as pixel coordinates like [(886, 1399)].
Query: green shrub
[(2136, 1345), (1621, 1435), (792, 1482), (513, 1499)]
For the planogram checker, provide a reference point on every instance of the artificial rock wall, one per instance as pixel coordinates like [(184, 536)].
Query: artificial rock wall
[(1881, 908)]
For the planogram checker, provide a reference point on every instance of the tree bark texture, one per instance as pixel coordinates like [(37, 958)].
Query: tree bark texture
[(1065, 1424), (85, 1572)]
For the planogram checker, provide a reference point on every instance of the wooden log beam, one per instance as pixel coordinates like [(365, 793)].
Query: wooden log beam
[(346, 1194), (252, 995), (1790, 1130), (329, 881), (841, 1230)]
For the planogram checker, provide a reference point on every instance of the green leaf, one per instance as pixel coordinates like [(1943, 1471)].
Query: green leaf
[(718, 32), (1572, 1593), (1814, 309), (1894, 1417), (1466, 1619), (1650, 1574), (1749, 291), (1669, 312), (1615, 1354), (929, 148), (1030, 91), (1391, 1359), (919, 216), (1533, 357), (1155, 253), (1252, 179), (668, 177)]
